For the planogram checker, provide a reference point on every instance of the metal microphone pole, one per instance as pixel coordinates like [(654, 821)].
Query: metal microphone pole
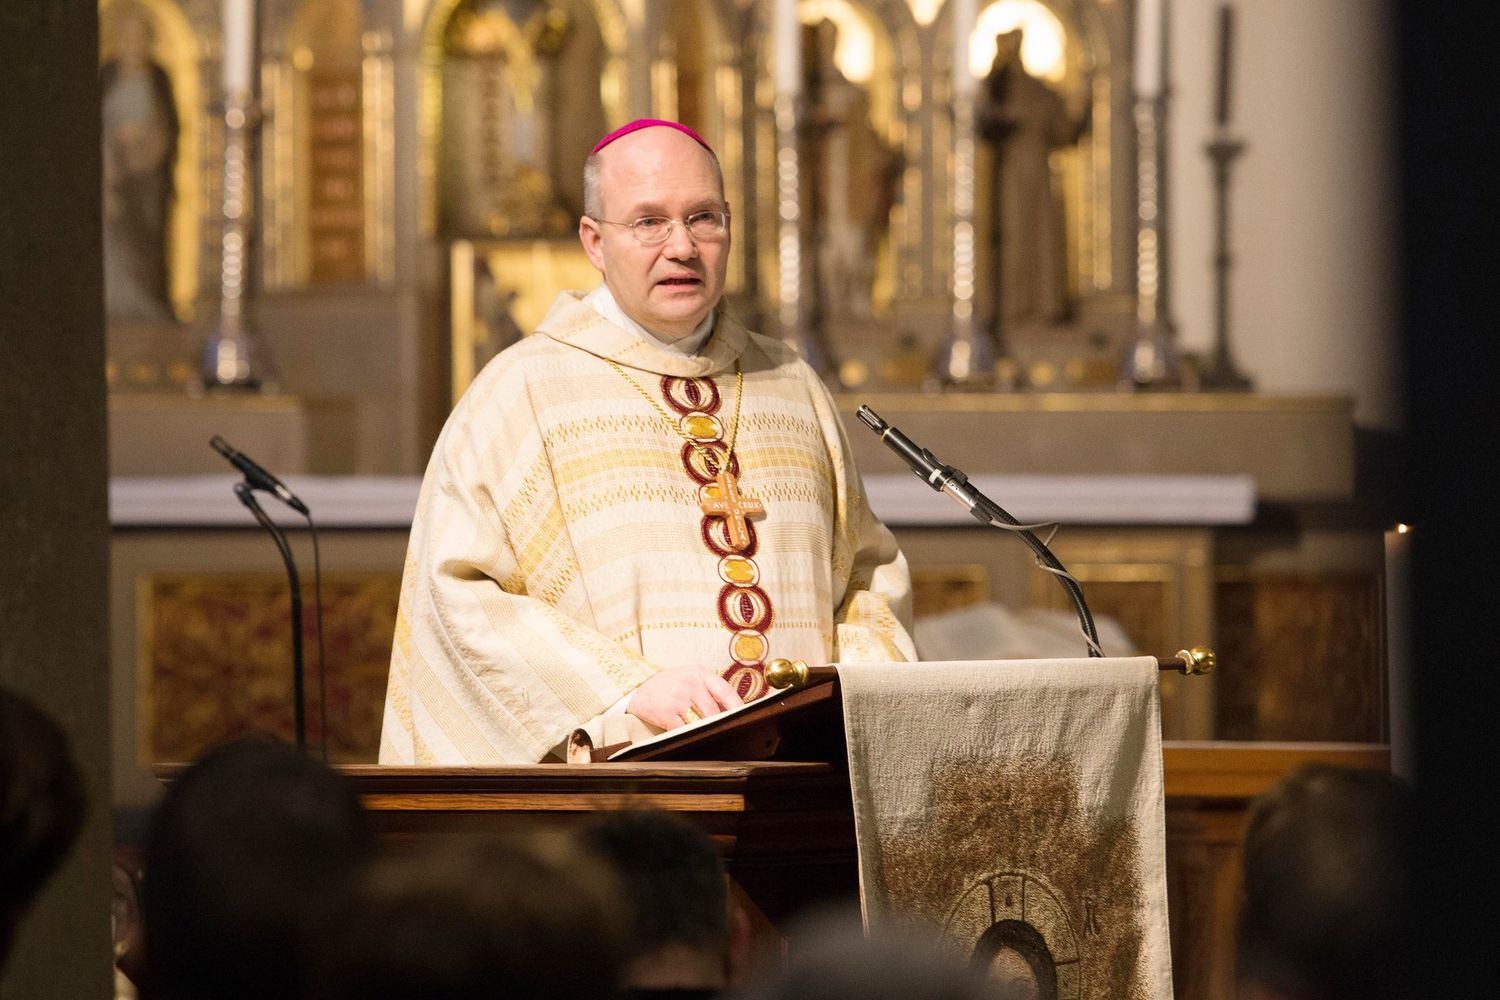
[(952, 481), (244, 491)]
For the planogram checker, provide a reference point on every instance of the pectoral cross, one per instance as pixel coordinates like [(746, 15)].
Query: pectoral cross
[(723, 499)]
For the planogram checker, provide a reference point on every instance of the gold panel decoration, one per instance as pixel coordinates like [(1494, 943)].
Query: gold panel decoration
[(936, 589), (214, 661), (1159, 586), (499, 290), (1306, 651)]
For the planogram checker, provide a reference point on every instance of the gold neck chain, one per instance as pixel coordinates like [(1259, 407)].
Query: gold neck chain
[(710, 459)]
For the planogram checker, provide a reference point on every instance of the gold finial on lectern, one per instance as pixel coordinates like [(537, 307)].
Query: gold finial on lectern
[(781, 673), (1198, 660)]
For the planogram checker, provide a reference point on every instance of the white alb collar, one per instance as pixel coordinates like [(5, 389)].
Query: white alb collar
[(603, 301)]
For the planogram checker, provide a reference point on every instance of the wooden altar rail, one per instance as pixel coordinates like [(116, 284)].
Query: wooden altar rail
[(787, 831)]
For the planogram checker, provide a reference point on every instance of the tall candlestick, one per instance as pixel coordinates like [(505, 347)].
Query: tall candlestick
[(1149, 27), (1398, 646), (965, 15), (786, 29), (1226, 64), (239, 44)]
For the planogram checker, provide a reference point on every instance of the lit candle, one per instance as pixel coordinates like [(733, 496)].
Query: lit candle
[(1397, 645), (964, 18), (1226, 63), (239, 44), (787, 31), (1148, 49)]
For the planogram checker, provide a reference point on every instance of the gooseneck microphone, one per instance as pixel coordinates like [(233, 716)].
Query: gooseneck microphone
[(946, 479), (256, 476), (925, 465)]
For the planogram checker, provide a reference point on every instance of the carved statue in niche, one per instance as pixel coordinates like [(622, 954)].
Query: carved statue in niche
[(140, 132), (498, 146), (851, 175), (1025, 121)]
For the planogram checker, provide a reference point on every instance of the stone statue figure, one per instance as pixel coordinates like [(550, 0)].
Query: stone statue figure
[(1024, 121), (850, 181), (499, 78), (140, 130)]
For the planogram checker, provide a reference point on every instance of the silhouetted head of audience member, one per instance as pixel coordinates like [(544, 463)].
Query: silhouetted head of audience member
[(535, 916), (1323, 881), (250, 861), (832, 957), (684, 938), (41, 808)]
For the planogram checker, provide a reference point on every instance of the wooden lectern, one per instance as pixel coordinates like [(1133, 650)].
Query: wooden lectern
[(769, 784), (771, 787)]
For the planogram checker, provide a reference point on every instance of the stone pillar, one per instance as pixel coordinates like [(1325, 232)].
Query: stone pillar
[(54, 519)]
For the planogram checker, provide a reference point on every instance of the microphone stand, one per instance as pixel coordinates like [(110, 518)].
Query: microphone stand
[(1044, 556), (244, 491), (947, 479)]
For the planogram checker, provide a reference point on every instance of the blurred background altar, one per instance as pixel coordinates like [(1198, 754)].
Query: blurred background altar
[(1128, 264)]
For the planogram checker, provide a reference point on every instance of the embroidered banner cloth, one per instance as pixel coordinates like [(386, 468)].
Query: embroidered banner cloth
[(1017, 806)]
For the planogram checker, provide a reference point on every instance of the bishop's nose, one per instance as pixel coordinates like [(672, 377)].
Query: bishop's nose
[(680, 245)]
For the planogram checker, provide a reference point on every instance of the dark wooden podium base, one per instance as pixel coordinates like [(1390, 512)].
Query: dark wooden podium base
[(786, 829)]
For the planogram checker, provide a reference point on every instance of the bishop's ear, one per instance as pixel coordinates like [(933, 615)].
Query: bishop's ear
[(592, 238)]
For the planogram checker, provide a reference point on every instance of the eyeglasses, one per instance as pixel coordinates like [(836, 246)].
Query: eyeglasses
[(652, 230)]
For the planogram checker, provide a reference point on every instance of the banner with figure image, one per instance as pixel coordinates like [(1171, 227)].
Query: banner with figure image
[(1017, 806)]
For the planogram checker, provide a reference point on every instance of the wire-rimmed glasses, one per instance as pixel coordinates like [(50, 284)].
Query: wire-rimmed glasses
[(652, 230)]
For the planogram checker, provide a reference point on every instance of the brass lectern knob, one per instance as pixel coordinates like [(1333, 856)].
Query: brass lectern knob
[(782, 673), (1198, 660)]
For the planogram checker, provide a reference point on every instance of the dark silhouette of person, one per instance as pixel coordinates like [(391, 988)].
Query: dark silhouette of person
[(535, 916), (1324, 874), (835, 958), (250, 861), (42, 807), (686, 938)]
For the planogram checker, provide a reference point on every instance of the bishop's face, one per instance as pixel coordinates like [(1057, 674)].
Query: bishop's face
[(671, 286)]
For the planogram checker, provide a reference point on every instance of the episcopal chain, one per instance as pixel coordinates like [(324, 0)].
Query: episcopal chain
[(710, 459)]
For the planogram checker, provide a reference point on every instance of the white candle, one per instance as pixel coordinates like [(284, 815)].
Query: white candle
[(1148, 49), (1397, 645), (964, 17), (239, 44), (787, 32)]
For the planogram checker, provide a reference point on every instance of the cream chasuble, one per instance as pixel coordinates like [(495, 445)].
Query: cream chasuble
[(570, 541)]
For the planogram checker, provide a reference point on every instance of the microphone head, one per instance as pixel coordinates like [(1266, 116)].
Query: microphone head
[(221, 446), (871, 419)]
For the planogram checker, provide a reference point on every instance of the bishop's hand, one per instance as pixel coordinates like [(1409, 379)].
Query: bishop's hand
[(679, 695)]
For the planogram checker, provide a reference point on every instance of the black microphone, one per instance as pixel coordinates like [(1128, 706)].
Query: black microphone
[(947, 479), (256, 476), (926, 466)]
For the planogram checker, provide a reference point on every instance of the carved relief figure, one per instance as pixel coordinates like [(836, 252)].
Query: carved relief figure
[(852, 175), (140, 132), (1024, 121), (497, 145)]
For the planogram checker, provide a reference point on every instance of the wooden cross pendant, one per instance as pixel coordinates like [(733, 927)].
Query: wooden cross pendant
[(723, 499)]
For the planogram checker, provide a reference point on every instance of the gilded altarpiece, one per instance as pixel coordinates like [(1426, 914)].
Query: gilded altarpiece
[(513, 93), (514, 96), (875, 151), (328, 136)]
